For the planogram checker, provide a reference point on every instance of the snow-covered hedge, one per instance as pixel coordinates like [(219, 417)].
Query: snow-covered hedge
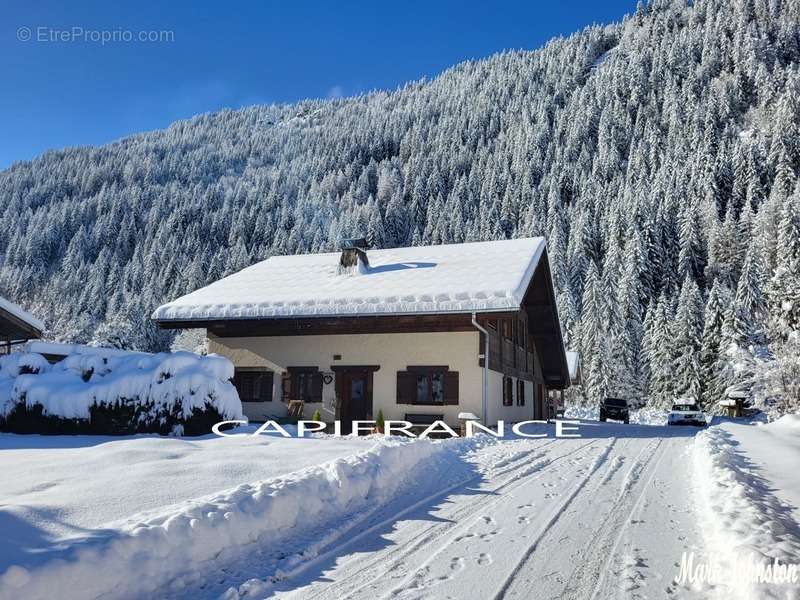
[(176, 392)]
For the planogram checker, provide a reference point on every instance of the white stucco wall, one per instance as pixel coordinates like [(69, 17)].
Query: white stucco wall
[(509, 414), (393, 352)]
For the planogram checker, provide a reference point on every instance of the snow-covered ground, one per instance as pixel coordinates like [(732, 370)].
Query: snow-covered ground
[(607, 515), (749, 500), (60, 487)]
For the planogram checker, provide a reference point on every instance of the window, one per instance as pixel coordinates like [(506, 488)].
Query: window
[(508, 329), (508, 391), (430, 387), (305, 383), (253, 385), (427, 386), (520, 392)]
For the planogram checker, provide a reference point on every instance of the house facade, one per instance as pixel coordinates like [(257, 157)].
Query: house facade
[(403, 331)]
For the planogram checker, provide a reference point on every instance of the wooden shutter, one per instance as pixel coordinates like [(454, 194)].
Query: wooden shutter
[(508, 391), (406, 387), (316, 387), (451, 387)]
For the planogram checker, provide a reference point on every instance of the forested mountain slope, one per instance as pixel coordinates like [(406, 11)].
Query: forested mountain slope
[(659, 157)]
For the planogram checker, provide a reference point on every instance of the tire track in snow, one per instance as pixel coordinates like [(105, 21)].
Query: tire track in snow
[(384, 563), (630, 480), (618, 518), (508, 463), (557, 513), (491, 497), (615, 518)]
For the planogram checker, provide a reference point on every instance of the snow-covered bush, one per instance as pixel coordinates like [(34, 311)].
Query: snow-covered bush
[(776, 381), (120, 394)]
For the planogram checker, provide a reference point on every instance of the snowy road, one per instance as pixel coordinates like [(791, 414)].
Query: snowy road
[(607, 515)]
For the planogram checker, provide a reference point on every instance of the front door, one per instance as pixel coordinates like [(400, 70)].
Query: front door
[(355, 392)]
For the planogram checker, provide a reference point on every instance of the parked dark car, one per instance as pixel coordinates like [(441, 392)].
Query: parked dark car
[(614, 408)]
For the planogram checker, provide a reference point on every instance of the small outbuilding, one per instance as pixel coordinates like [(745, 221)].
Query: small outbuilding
[(734, 402), (555, 395), (17, 326)]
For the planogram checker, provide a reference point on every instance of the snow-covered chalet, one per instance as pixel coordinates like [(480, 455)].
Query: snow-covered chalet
[(402, 330)]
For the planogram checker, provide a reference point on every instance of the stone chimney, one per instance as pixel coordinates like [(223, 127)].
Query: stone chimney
[(354, 256)]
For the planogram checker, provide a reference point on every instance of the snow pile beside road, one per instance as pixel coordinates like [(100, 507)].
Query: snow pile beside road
[(170, 383), (642, 416), (744, 523), (147, 553)]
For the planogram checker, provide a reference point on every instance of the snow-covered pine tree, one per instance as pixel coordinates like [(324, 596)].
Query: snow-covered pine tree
[(661, 352), (592, 332), (687, 330), (783, 289), (749, 306), (712, 344)]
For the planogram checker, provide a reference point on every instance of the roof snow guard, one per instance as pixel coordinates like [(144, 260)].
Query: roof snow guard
[(455, 278), (17, 324)]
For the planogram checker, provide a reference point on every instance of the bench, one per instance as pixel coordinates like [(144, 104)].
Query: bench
[(420, 421)]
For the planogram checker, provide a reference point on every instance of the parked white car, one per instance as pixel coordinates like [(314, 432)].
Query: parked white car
[(685, 412)]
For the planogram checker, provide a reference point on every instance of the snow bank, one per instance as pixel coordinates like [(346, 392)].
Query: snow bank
[(169, 383), (787, 422), (103, 480), (642, 416), (148, 553), (743, 522)]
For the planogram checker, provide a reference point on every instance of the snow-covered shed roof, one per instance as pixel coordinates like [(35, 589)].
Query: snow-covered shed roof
[(16, 323), (59, 349), (574, 366), (455, 278)]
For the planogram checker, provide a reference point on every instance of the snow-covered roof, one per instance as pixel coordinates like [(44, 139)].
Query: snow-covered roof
[(573, 363), (21, 314), (454, 278), (59, 349)]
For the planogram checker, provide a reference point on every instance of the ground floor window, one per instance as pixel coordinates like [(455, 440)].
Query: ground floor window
[(520, 392), (427, 386), (253, 384), (430, 387), (305, 383)]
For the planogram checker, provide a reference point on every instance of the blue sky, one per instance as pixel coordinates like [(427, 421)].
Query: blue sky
[(214, 55)]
